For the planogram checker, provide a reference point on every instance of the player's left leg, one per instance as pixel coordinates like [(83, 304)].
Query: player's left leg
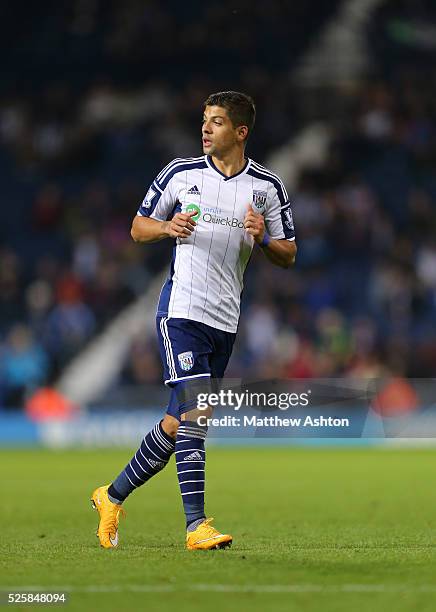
[(191, 463), (190, 442)]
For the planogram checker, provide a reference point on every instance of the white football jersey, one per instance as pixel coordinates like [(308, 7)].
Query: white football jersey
[(207, 269)]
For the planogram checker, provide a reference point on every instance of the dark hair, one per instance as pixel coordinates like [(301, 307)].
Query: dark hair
[(240, 107)]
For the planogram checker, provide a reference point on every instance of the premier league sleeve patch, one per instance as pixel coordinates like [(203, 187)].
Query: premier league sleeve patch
[(186, 360)]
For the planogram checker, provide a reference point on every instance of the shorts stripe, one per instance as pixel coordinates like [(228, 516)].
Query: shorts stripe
[(167, 345), (178, 378), (170, 347)]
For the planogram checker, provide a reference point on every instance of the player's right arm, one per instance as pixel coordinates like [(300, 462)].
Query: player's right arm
[(159, 215), (146, 229)]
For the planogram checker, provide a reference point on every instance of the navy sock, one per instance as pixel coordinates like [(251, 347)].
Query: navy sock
[(150, 458), (190, 462)]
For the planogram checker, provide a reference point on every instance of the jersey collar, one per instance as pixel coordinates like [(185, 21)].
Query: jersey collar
[(211, 165)]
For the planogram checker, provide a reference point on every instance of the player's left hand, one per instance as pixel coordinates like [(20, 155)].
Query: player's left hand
[(254, 224)]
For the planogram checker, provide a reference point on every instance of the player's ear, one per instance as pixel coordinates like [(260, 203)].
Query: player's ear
[(242, 132)]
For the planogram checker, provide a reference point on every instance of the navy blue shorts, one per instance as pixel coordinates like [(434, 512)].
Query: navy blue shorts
[(193, 354)]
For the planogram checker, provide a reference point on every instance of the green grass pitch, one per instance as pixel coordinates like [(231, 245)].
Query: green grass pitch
[(314, 529)]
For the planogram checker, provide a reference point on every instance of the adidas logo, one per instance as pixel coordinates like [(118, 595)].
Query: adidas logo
[(153, 463), (195, 456), (194, 190)]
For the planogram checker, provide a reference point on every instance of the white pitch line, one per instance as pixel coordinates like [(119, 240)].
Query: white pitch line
[(229, 588)]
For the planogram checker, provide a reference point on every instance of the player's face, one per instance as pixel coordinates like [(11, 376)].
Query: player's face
[(219, 135)]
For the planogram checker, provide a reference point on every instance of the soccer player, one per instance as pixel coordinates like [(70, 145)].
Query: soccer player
[(216, 208)]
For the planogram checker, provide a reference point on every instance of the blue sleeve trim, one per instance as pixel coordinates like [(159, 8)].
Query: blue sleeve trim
[(180, 167)]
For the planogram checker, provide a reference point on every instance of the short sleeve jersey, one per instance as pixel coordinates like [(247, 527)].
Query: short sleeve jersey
[(205, 280)]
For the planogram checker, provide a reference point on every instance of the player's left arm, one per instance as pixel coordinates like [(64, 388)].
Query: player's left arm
[(274, 230)]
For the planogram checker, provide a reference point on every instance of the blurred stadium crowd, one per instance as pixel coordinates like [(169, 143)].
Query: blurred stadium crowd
[(101, 106)]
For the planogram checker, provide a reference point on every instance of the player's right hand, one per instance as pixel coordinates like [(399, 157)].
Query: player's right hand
[(181, 225)]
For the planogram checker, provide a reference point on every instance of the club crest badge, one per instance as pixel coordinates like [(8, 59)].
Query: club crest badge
[(186, 360), (259, 200)]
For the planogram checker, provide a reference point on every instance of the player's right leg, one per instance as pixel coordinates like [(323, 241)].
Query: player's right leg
[(150, 458)]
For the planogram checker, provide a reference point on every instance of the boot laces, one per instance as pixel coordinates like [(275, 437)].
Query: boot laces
[(209, 530)]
